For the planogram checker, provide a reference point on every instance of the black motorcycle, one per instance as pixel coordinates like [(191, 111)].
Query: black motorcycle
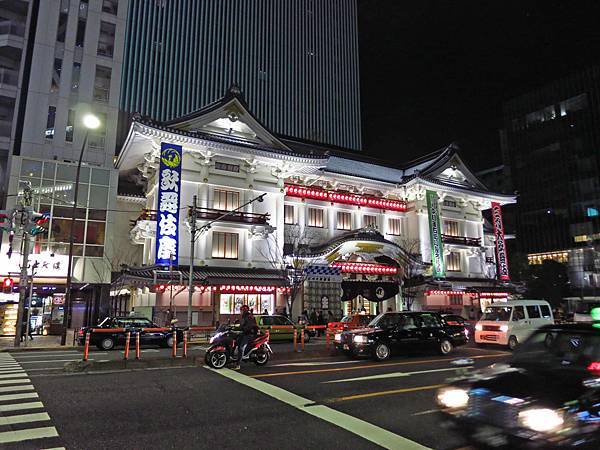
[(224, 345)]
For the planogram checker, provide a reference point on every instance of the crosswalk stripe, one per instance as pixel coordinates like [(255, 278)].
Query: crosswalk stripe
[(16, 381), (9, 365), (14, 369), (52, 361), (19, 406), (30, 433), (14, 375), (25, 387), (7, 397), (24, 418)]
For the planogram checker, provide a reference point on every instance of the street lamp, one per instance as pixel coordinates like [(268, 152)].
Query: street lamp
[(90, 122)]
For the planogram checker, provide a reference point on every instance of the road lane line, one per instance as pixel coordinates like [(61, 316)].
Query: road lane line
[(24, 387), (365, 366), (20, 406), (395, 375), (24, 418), (7, 397), (317, 363), (16, 381), (423, 413), (25, 435), (380, 393), (365, 430)]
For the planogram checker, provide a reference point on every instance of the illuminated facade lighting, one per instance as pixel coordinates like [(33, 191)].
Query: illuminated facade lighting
[(345, 198), (375, 269)]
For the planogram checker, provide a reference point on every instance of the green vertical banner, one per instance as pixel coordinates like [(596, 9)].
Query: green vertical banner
[(435, 234)]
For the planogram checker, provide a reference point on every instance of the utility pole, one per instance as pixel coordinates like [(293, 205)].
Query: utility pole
[(191, 272), (28, 327), (25, 219)]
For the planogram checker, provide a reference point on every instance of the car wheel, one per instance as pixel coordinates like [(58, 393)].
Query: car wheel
[(382, 352), (169, 341), (512, 342), (107, 343), (445, 346)]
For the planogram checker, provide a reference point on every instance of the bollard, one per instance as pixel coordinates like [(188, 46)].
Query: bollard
[(137, 345), (302, 340), (174, 344), (295, 340), (86, 347), (127, 341), (185, 341)]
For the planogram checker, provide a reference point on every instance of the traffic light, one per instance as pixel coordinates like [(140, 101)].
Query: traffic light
[(7, 285), (37, 223), (7, 219)]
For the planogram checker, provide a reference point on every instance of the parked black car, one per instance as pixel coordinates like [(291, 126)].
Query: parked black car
[(399, 332), (108, 340), (547, 395), (455, 319)]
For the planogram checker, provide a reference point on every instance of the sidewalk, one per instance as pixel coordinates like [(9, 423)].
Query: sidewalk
[(38, 343)]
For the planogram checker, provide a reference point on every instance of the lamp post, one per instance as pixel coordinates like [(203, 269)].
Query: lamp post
[(90, 122)]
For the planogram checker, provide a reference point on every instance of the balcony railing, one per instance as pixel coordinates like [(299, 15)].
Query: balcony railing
[(461, 240), (10, 27), (212, 214)]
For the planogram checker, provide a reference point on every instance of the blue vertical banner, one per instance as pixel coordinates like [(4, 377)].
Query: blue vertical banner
[(167, 216)]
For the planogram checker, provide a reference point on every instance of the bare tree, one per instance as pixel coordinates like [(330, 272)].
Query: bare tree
[(291, 258), (412, 268)]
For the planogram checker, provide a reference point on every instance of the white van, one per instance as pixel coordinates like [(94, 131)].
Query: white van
[(508, 323)]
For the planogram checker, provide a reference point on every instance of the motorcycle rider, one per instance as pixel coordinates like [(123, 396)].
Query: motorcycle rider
[(249, 329)]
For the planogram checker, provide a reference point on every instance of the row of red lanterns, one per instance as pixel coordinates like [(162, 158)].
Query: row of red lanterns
[(231, 289), (378, 269), (351, 199), (472, 294)]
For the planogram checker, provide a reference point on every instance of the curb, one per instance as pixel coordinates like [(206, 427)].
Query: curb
[(96, 366), (37, 349)]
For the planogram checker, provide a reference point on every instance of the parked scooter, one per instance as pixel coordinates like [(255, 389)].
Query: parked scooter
[(223, 348)]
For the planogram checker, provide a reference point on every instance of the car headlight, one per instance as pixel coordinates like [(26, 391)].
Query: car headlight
[(504, 328), (541, 419), (337, 337), (479, 327), (453, 397), (360, 339)]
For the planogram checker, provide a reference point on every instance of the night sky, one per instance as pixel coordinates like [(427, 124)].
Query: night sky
[(435, 72)]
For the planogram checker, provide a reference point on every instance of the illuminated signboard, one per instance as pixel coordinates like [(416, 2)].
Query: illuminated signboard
[(501, 255), (167, 217)]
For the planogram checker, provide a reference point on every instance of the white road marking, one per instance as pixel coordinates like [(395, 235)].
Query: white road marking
[(24, 418), (27, 434), (20, 406), (16, 381), (15, 375), (365, 430), (317, 363), (422, 413), (24, 387), (7, 397), (394, 375)]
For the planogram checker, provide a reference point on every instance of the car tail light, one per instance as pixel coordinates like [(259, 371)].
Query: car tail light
[(594, 367), (81, 332)]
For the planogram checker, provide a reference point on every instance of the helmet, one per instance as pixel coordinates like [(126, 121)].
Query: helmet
[(244, 308)]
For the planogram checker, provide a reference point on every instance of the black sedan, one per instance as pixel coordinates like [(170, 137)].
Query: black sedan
[(455, 319), (546, 396), (401, 332), (108, 340)]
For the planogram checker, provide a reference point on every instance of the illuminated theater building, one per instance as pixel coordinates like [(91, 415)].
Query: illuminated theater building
[(343, 231)]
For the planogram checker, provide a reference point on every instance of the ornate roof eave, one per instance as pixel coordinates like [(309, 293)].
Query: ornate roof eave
[(349, 177), (503, 199)]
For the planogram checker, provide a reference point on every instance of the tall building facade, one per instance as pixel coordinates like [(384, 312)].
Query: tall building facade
[(60, 60), (550, 145), (295, 60)]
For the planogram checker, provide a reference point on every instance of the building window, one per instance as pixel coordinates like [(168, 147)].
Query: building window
[(110, 6), (50, 122), (451, 228), (344, 220), (225, 245), (69, 129), (227, 167), (80, 36), (232, 303), (450, 203), (61, 32), (57, 69), (288, 215), (75, 77), (315, 217), (395, 227), (456, 299), (106, 40), (226, 200), (453, 262), (369, 221), (102, 84)]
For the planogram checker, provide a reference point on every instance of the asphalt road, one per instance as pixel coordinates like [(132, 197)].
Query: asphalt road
[(325, 403)]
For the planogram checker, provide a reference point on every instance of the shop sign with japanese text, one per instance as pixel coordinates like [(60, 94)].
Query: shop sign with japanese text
[(167, 217), (501, 255)]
